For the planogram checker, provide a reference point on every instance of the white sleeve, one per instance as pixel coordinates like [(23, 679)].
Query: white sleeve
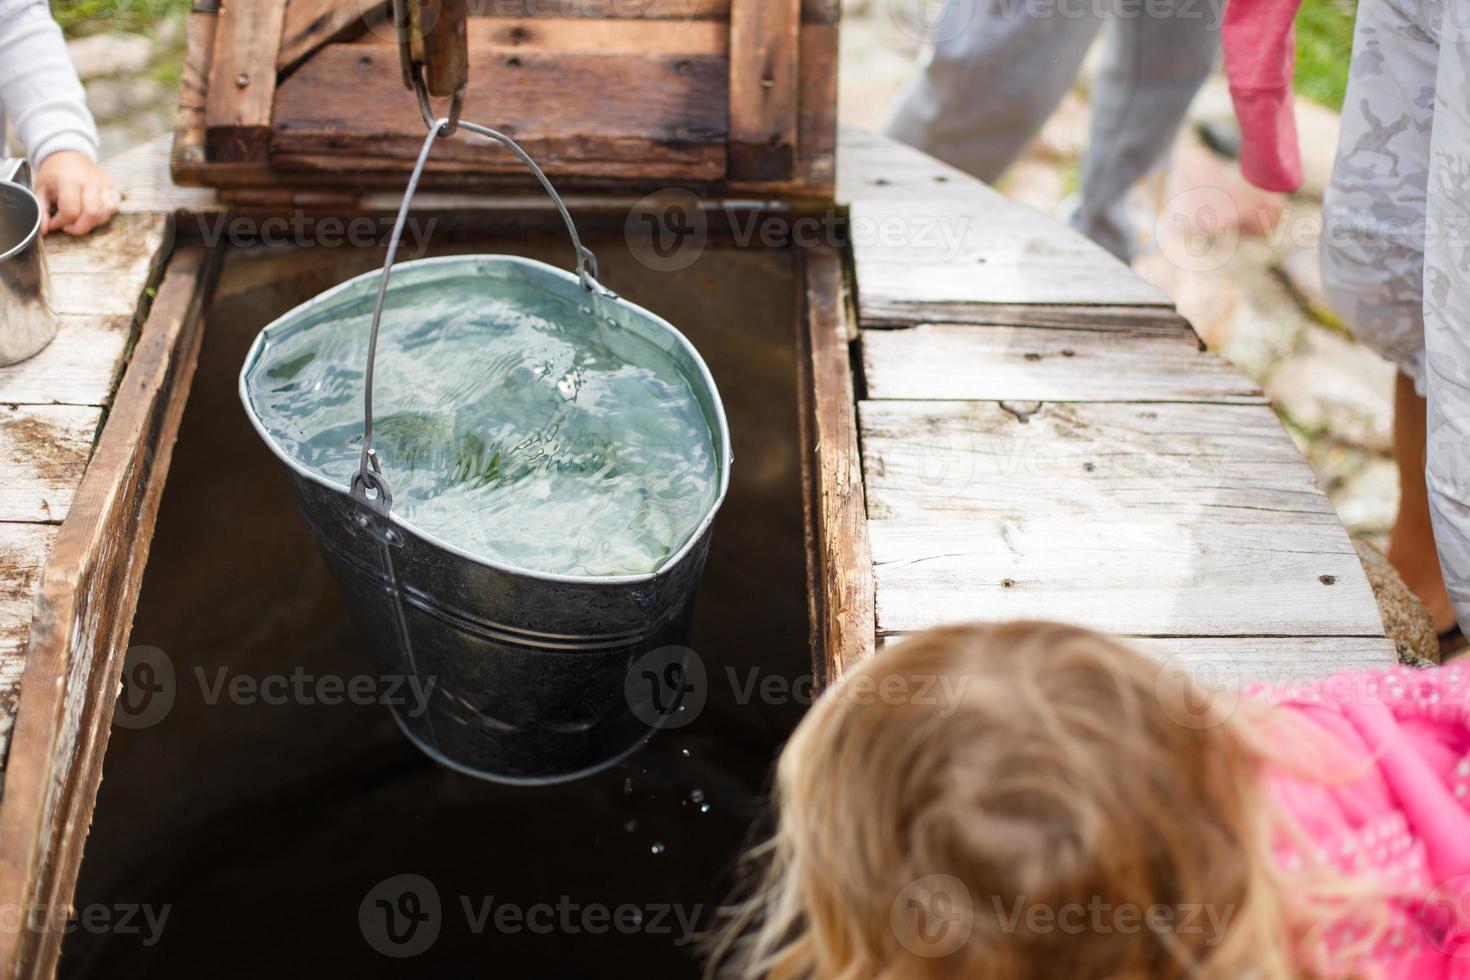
[(39, 88)]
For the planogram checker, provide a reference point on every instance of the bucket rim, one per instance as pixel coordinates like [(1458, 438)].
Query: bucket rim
[(563, 279)]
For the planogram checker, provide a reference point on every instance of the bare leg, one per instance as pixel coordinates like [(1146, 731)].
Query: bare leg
[(1411, 545)]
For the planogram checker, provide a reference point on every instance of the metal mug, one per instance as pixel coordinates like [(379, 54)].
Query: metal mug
[(27, 323)]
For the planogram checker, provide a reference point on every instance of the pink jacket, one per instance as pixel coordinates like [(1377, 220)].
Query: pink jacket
[(1394, 804), (1260, 56)]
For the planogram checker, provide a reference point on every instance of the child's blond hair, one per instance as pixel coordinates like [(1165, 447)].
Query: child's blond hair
[(1020, 801)]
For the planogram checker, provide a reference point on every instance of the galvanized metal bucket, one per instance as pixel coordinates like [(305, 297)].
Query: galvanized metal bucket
[(27, 324), (525, 673)]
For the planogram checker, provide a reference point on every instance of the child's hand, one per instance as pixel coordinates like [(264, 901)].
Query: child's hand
[(79, 193)]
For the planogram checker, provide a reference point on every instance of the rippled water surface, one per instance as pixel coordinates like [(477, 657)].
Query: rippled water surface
[(509, 423)]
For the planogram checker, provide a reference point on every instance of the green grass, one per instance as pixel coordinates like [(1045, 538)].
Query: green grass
[(1324, 41), (78, 17)]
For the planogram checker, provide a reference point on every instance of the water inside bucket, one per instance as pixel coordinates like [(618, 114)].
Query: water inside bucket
[(509, 423)]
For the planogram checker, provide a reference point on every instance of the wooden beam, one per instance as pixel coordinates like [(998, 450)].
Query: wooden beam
[(839, 560), (944, 361), (89, 590), (764, 88), (242, 79), (511, 35), (313, 24), (570, 110)]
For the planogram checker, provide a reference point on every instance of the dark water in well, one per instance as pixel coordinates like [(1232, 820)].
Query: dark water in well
[(281, 822)]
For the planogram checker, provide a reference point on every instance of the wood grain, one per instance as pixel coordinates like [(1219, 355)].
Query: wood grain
[(668, 109), (925, 234), (242, 79), (80, 367), (508, 35), (1141, 575), (43, 453), (1024, 363), (1107, 462), (311, 24), (841, 568), (764, 88), (88, 593), (1233, 660), (23, 550)]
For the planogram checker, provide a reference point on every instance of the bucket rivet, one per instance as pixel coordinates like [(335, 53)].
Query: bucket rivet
[(362, 520), (587, 310), (391, 536), (242, 81)]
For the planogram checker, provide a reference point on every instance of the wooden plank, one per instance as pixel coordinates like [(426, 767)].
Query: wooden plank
[(106, 272), (1265, 659), (924, 234), (587, 35), (146, 184), (187, 157), (1109, 463), (1272, 659), (764, 88), (1158, 319), (669, 109), (242, 79), (43, 454), (23, 550), (825, 12), (816, 144), (313, 24), (841, 567), (79, 367), (1028, 364), (88, 593), (1140, 575), (98, 286)]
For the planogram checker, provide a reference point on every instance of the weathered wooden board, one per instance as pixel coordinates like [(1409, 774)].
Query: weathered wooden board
[(88, 593), (1105, 462), (764, 88), (1230, 660), (670, 116), (840, 564), (242, 78), (1026, 363), (1271, 659), (310, 24), (924, 234), (100, 274), (23, 549), (43, 453), (1134, 573), (79, 367), (549, 35)]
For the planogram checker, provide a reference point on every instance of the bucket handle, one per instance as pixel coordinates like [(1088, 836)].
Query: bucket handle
[(368, 484)]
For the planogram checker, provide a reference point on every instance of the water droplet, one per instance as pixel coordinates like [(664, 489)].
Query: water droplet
[(657, 848), (684, 753), (627, 785), (630, 826), (697, 795), (704, 808)]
